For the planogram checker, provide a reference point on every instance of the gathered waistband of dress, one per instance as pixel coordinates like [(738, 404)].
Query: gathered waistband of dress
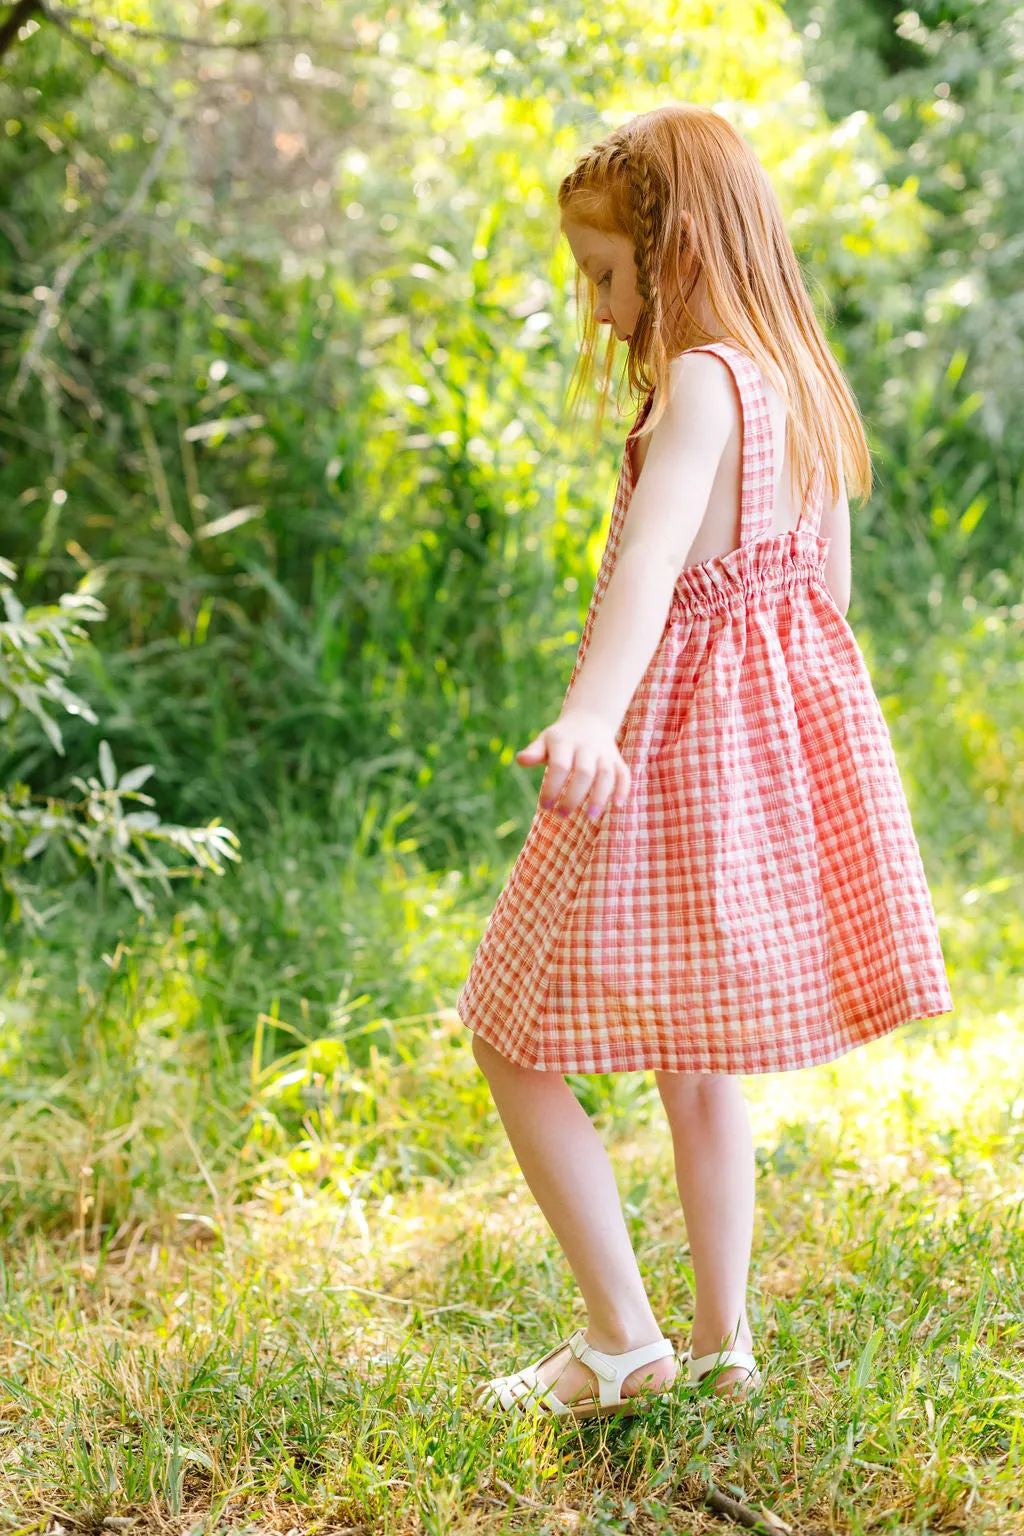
[(780, 564)]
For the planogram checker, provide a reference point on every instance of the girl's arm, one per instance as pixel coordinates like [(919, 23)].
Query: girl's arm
[(665, 513), (835, 525)]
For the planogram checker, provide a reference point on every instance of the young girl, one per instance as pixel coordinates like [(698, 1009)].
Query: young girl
[(722, 876)]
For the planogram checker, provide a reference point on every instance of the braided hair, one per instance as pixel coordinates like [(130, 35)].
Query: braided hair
[(619, 182)]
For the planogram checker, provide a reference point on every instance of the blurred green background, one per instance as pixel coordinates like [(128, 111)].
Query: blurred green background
[(285, 331)]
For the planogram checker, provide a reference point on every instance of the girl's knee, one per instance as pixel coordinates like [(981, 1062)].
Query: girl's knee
[(690, 1082), (690, 1093)]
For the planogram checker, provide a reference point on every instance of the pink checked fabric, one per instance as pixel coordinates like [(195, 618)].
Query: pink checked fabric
[(759, 904)]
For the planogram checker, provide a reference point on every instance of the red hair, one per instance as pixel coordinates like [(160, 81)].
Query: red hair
[(638, 182)]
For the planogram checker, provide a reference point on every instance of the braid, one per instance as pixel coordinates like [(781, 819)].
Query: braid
[(648, 353), (622, 159), (592, 169), (643, 228), (616, 156), (646, 232)]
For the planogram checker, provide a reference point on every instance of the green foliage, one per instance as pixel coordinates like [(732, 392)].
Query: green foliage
[(37, 651), (36, 654), (314, 436), (942, 382), (277, 1013)]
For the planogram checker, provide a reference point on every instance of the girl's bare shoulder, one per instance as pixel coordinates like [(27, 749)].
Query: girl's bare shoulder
[(698, 416), (701, 399)]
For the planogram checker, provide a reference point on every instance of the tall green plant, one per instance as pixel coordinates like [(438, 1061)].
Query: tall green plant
[(101, 831), (939, 364)]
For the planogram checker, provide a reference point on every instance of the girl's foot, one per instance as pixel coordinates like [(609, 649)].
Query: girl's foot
[(575, 1382), (732, 1382)]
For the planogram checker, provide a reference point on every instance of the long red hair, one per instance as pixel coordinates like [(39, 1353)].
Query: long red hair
[(638, 182)]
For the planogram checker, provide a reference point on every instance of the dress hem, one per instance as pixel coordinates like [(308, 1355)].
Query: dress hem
[(877, 1030)]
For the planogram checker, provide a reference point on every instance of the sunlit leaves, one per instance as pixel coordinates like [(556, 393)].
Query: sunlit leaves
[(38, 648), (37, 652)]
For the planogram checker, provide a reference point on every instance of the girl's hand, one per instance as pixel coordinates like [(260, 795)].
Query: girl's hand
[(584, 763)]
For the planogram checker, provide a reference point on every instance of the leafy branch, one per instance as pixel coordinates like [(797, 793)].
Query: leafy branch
[(103, 830)]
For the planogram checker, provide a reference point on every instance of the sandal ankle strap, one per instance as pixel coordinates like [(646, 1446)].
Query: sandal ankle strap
[(700, 1365), (612, 1370)]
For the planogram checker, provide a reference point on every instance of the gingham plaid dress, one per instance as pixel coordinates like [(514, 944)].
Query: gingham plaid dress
[(759, 904)]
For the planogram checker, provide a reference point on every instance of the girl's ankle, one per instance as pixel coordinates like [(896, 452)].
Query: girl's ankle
[(621, 1338), (709, 1341)]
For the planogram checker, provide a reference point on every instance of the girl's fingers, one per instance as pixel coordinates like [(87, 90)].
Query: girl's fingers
[(534, 753), (559, 769), (575, 776), (578, 787), (601, 789)]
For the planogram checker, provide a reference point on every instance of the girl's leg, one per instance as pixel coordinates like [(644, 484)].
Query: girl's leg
[(566, 1166), (714, 1158)]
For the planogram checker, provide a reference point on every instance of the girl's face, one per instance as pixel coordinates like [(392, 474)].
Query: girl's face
[(608, 261)]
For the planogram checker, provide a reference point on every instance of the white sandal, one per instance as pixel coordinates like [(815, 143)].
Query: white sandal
[(699, 1366), (524, 1389)]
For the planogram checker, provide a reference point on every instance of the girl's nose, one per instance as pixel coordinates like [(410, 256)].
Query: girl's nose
[(603, 315)]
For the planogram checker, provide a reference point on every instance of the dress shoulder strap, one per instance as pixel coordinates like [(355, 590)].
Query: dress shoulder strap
[(757, 491)]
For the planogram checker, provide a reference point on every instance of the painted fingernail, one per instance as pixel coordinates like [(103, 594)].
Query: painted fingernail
[(594, 812), (546, 805)]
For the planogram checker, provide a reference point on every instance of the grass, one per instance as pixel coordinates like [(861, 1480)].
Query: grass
[(283, 1357)]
